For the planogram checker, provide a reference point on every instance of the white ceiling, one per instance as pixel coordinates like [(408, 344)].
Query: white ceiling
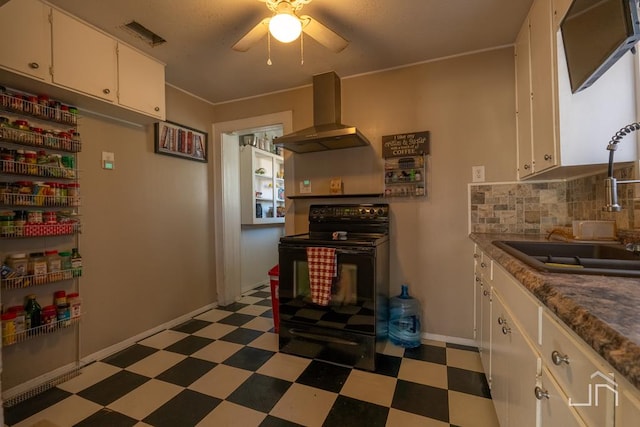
[(382, 34)]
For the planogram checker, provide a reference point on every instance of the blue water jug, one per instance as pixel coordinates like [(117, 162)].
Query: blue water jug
[(404, 319)]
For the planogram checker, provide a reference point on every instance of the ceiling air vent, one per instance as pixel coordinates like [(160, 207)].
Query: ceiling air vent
[(139, 30)]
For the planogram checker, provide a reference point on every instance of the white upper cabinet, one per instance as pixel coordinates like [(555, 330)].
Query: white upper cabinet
[(140, 82), (84, 59), (568, 133), (26, 36)]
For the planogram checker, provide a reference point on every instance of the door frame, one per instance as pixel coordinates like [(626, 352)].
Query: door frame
[(226, 198)]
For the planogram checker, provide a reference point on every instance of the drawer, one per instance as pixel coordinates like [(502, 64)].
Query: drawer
[(520, 301), (585, 378)]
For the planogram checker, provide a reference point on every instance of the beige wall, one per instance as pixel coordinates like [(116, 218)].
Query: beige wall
[(468, 104)]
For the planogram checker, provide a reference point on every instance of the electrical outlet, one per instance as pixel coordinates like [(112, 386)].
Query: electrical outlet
[(477, 173)]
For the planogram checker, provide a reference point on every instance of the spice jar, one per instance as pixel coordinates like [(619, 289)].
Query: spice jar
[(6, 223), (8, 328), (54, 267), (18, 263), (49, 317), (75, 304), (37, 267)]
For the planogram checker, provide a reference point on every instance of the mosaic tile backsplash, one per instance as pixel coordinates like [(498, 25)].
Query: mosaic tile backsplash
[(538, 207)]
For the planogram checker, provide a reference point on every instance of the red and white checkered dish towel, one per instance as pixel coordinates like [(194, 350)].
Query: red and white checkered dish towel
[(323, 268)]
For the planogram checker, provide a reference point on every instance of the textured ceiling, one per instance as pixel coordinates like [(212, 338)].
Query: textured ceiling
[(382, 34)]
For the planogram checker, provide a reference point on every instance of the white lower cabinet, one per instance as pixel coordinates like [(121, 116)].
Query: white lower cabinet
[(540, 372)]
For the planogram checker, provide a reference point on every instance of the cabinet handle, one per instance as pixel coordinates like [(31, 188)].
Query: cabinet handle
[(106, 91), (558, 358), (506, 330), (502, 321), (483, 265), (526, 166), (34, 65), (548, 157), (157, 109), (541, 393)]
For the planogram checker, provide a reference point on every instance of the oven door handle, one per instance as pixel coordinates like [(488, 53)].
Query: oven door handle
[(319, 337), (339, 251)]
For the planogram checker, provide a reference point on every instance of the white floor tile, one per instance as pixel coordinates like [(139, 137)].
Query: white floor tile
[(89, 375), (163, 339), (156, 363), (229, 414)]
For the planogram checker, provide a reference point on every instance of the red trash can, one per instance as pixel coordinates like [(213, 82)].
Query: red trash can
[(274, 278)]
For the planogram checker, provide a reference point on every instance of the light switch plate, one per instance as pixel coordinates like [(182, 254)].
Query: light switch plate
[(305, 186), (477, 173), (108, 160)]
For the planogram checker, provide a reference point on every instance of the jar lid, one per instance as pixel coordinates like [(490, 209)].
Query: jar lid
[(9, 315), (51, 252), (65, 253), (17, 256), (49, 308), (34, 255), (73, 295)]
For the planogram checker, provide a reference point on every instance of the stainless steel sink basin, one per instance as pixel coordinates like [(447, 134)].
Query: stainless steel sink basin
[(577, 258)]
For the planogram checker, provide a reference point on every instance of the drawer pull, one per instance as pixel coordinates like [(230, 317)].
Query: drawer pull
[(558, 358), (34, 65), (506, 330), (541, 393), (502, 321), (106, 91)]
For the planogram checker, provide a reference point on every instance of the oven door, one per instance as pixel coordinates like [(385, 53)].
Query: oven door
[(353, 296)]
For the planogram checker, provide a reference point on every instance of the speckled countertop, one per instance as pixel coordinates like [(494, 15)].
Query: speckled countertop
[(603, 310)]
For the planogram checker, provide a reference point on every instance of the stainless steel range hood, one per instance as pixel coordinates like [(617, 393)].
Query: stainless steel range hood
[(327, 133)]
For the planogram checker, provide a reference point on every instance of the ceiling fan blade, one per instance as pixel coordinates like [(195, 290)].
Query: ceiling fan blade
[(252, 37), (323, 35)]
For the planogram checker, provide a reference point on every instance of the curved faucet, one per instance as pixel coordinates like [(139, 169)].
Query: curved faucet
[(610, 183)]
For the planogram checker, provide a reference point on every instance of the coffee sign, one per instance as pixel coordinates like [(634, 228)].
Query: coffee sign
[(405, 144)]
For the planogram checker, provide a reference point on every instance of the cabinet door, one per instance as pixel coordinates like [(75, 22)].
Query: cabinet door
[(543, 104), (560, 8), (26, 36), (84, 59), (262, 189), (628, 409), (554, 410), (523, 102), (140, 82), (485, 328), (514, 369)]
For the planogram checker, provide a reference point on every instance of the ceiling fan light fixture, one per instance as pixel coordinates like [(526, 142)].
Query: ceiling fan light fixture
[(285, 27)]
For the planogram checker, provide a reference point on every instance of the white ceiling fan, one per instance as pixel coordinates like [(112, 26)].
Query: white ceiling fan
[(285, 12)]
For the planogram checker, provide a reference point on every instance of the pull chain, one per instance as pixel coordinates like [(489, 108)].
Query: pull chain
[(301, 48), (269, 48)]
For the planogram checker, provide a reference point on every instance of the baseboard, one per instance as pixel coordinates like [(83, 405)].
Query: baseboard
[(99, 355), (453, 340)]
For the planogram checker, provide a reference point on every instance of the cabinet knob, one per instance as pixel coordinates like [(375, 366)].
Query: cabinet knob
[(541, 393), (476, 255), (157, 109), (485, 293), (34, 65), (106, 91), (506, 330), (502, 320), (526, 166), (558, 358), (483, 265), (548, 157), (477, 279)]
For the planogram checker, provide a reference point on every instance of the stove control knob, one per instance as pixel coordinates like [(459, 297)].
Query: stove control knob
[(380, 211), (363, 211)]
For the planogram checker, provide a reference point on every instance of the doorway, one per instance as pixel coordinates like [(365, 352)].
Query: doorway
[(226, 199)]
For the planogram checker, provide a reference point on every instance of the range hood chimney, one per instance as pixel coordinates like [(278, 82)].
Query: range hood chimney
[(327, 133)]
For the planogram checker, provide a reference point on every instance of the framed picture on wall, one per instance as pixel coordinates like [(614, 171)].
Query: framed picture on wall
[(177, 140)]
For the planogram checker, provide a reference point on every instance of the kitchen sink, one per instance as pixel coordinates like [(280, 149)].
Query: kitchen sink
[(608, 259)]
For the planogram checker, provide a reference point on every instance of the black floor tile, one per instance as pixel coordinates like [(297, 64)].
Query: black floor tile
[(268, 313), (421, 399), (260, 294), (462, 347), (23, 410), (249, 358), (272, 421), (242, 336), (112, 388), (347, 411), (129, 355), (189, 345), (233, 306), (107, 418), (388, 365), (324, 375), (191, 326), (265, 303), (427, 353), (237, 319), (470, 382), (186, 371), (186, 409), (260, 392)]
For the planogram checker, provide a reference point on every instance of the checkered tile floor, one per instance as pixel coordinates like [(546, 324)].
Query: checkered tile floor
[(223, 368)]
